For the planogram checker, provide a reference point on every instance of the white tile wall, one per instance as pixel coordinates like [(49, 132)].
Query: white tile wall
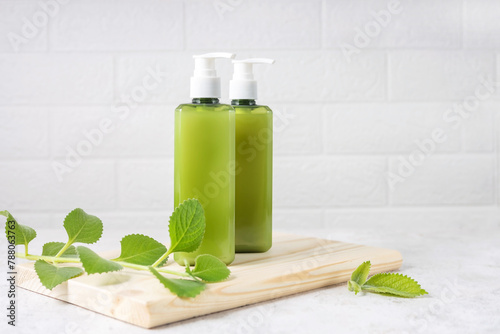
[(327, 182), (257, 24), (16, 23), (54, 78), (120, 26), (448, 181), (345, 118), (481, 24), (404, 24), (437, 75), (386, 128)]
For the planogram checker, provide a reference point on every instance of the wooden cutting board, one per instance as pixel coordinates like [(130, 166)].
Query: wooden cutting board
[(294, 264)]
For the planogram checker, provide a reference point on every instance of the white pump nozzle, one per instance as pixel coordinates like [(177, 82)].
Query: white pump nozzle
[(243, 86), (205, 82)]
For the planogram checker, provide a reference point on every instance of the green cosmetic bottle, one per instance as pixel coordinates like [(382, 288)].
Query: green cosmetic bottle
[(254, 161), (204, 159)]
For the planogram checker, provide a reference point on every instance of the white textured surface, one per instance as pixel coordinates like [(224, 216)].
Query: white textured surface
[(461, 279)]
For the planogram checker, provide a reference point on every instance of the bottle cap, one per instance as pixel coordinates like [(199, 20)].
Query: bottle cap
[(205, 82), (243, 86)]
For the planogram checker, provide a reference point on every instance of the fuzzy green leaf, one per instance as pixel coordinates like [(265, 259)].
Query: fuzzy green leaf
[(141, 249), (181, 287), (361, 273), (17, 233), (209, 268), (394, 284), (51, 276), (94, 264), (53, 248), (187, 227), (82, 227)]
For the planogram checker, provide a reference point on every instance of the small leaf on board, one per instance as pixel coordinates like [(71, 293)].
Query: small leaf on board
[(82, 227), (181, 287), (187, 226), (209, 268), (394, 284), (94, 264), (353, 286), (53, 248), (140, 249), (51, 276), (361, 273)]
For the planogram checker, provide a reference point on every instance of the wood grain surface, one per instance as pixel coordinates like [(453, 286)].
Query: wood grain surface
[(294, 264)]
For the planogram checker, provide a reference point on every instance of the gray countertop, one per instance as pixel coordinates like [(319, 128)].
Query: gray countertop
[(459, 265)]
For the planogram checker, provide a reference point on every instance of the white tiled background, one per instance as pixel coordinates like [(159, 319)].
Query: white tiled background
[(349, 122)]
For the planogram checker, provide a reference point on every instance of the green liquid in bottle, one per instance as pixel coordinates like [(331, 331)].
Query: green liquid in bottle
[(254, 158), (204, 169)]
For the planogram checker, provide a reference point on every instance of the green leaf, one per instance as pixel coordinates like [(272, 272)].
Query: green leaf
[(361, 273), (94, 264), (353, 286), (394, 284), (187, 227), (51, 276), (209, 268), (181, 287), (16, 233), (82, 227), (141, 249), (52, 248)]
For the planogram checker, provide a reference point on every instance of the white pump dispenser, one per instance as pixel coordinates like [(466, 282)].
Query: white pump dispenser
[(243, 86), (205, 82)]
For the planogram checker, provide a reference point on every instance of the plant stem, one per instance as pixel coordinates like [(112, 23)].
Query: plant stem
[(161, 259), (146, 268), (61, 252), (47, 258), (76, 260)]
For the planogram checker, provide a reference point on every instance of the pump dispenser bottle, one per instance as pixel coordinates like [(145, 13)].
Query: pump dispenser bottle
[(254, 160), (204, 159)]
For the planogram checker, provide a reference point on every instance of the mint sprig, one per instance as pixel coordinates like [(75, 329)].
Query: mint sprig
[(139, 252), (384, 283)]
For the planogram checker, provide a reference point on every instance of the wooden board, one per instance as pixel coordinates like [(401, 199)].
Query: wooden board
[(294, 264)]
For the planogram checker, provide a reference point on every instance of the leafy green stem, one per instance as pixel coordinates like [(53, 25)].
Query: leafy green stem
[(146, 268), (46, 258), (139, 252), (75, 260)]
